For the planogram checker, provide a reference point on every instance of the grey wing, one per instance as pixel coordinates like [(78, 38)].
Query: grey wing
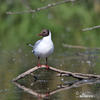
[(36, 44), (33, 46)]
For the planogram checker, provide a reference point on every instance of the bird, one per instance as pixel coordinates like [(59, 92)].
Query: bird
[(43, 47)]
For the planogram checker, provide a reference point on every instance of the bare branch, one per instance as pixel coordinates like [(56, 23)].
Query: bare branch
[(91, 28), (74, 46), (25, 73), (64, 73), (77, 47), (41, 8)]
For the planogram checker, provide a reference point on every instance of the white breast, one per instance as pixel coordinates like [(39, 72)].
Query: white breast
[(44, 48)]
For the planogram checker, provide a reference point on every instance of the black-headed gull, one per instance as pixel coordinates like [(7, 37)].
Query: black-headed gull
[(44, 47)]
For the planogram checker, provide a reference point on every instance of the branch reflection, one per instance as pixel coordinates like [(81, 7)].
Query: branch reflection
[(61, 87)]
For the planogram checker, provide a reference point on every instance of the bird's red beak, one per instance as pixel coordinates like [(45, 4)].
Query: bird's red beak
[(40, 34)]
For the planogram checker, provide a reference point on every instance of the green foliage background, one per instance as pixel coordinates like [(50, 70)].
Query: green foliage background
[(65, 21)]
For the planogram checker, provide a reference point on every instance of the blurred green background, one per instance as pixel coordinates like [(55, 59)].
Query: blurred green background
[(65, 21)]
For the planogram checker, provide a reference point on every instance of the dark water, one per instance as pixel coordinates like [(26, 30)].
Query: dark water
[(44, 84)]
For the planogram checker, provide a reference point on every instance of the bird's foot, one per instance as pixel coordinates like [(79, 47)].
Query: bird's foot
[(47, 94), (39, 65), (47, 66)]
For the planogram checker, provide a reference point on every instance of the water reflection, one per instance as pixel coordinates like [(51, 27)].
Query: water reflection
[(60, 88), (41, 85), (46, 82)]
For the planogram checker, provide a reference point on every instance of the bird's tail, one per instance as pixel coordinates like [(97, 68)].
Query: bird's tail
[(30, 45)]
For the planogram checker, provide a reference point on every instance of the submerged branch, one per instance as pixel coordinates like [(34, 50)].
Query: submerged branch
[(61, 73), (41, 8)]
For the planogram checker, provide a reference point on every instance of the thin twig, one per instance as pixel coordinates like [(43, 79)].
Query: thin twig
[(91, 28), (64, 73), (41, 8), (74, 46)]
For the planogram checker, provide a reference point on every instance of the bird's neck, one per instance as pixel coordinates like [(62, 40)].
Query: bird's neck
[(47, 38)]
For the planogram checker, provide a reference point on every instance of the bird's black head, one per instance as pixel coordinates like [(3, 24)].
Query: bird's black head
[(44, 33)]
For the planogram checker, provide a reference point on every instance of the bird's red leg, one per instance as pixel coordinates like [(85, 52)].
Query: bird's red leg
[(38, 64), (47, 94), (47, 63)]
